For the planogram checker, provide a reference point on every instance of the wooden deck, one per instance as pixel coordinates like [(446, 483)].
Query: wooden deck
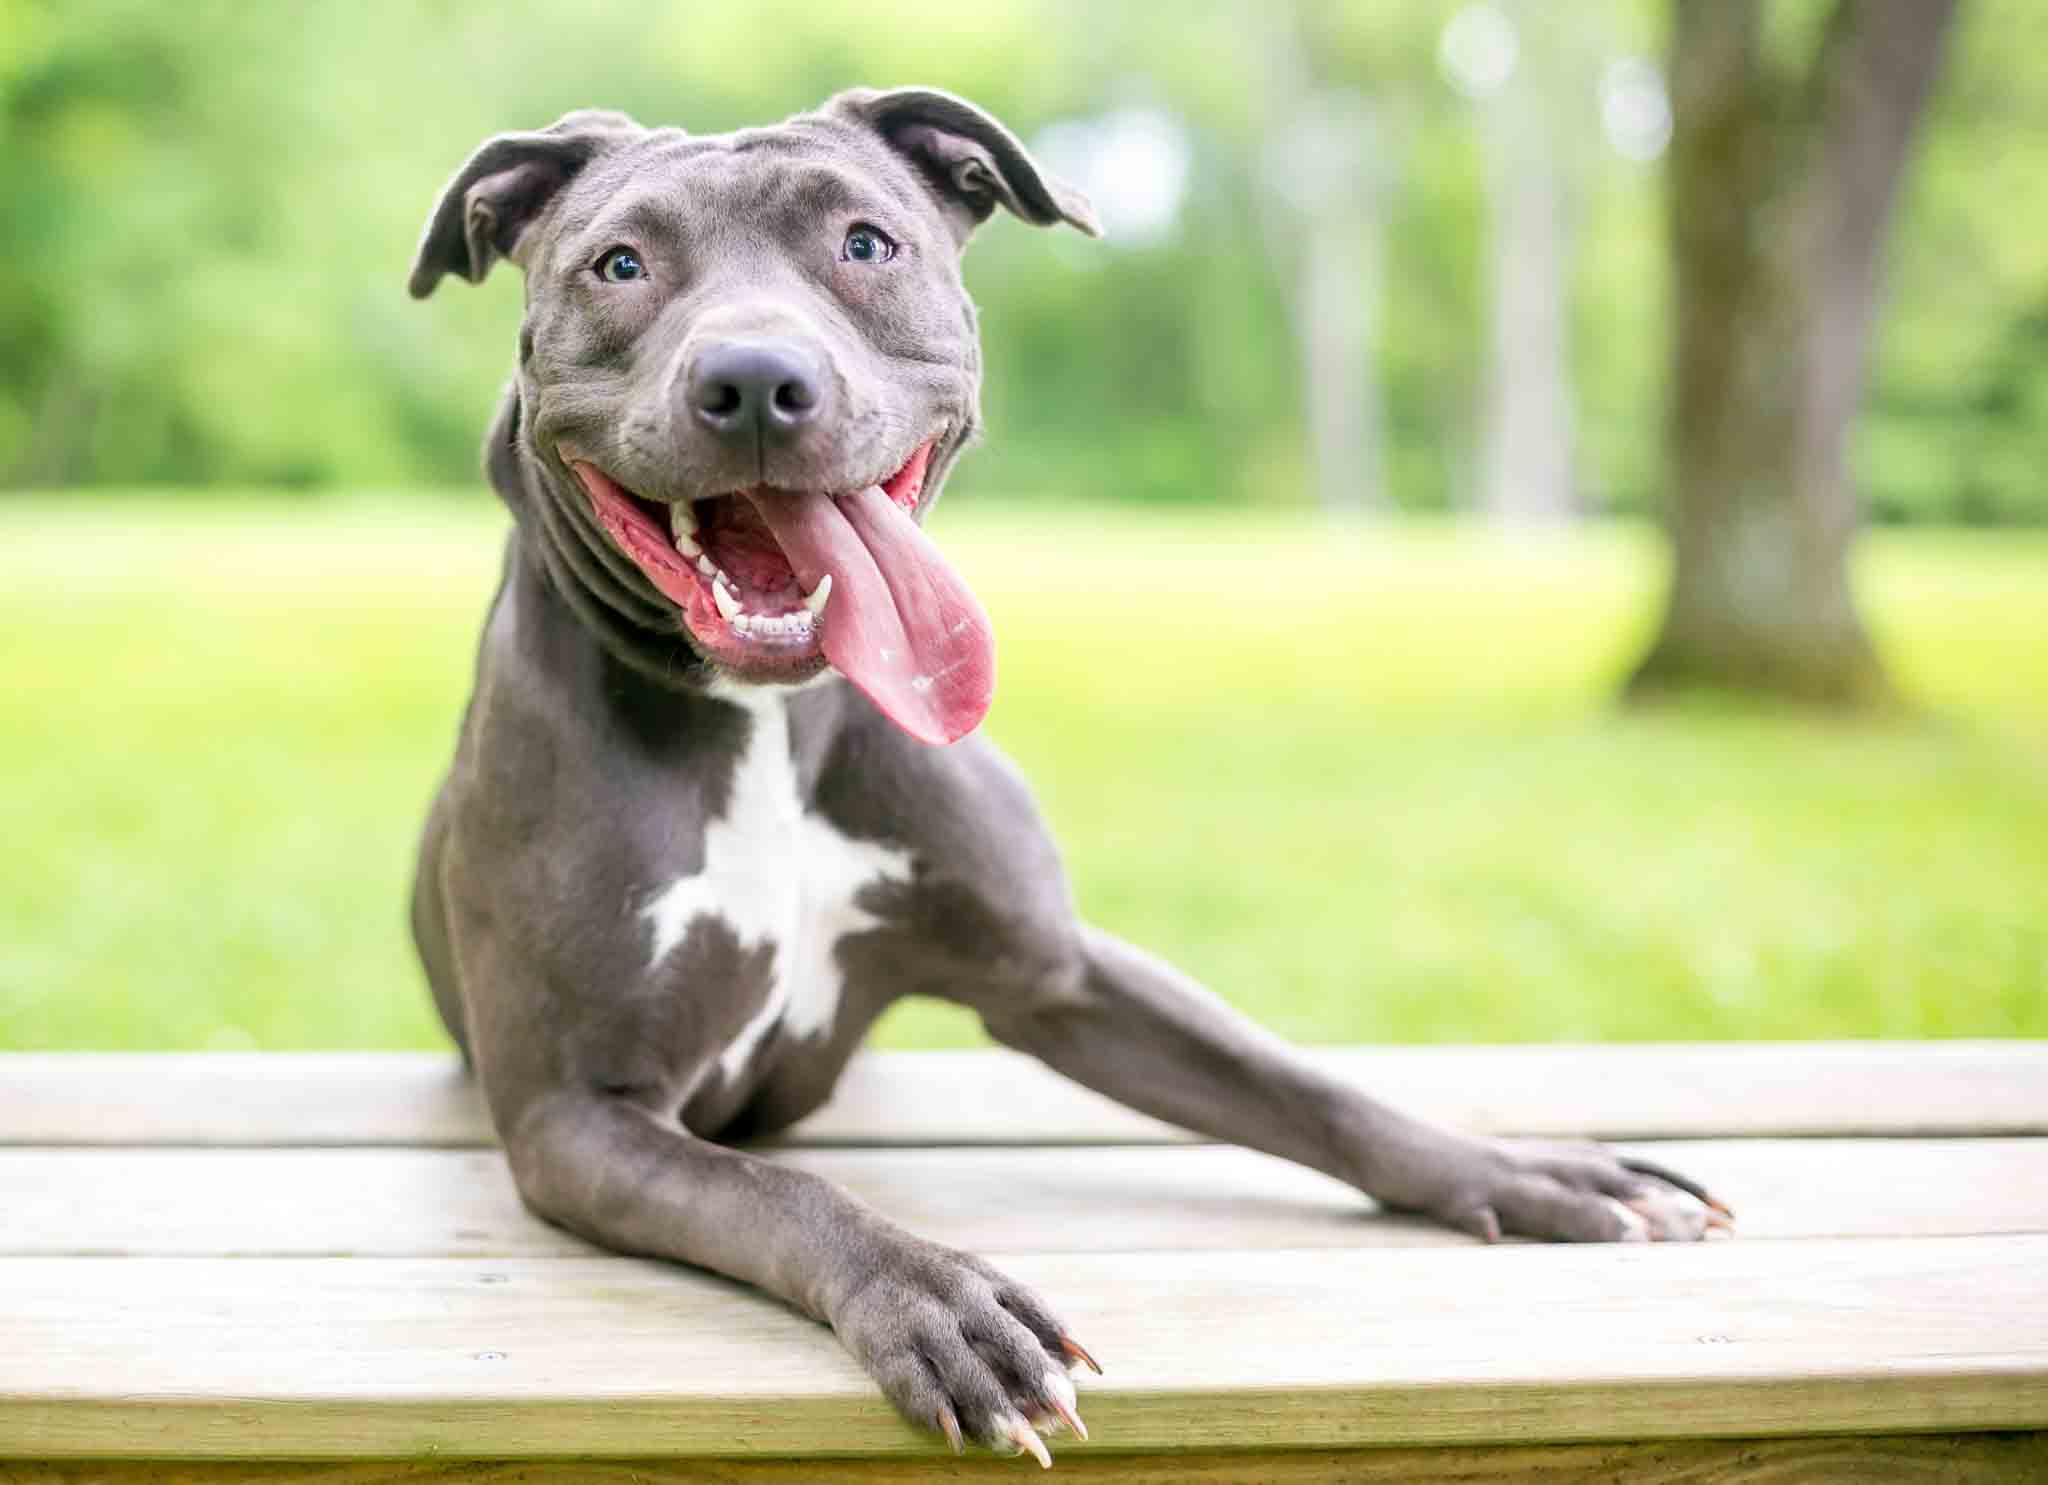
[(250, 1268)]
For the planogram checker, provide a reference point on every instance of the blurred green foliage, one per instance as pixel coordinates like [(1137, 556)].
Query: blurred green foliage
[(209, 208)]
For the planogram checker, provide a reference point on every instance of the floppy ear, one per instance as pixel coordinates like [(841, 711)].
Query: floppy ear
[(506, 184), (971, 162)]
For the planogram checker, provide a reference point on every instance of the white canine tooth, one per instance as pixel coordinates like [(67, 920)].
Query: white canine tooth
[(704, 566), (814, 600), (728, 606), (682, 525)]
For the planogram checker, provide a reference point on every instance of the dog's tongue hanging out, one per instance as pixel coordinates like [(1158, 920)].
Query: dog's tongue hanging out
[(900, 624)]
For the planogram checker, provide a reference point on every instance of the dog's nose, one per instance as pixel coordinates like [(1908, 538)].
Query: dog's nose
[(756, 389)]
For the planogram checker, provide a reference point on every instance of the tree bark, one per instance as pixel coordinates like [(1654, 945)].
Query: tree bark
[(1333, 314), (1779, 193), (1533, 166), (1323, 230)]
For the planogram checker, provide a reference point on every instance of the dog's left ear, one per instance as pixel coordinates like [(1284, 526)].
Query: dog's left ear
[(971, 162), (507, 183)]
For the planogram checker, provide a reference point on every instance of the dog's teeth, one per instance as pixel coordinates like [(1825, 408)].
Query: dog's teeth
[(793, 625), (682, 525), (704, 566), (814, 601), (728, 606)]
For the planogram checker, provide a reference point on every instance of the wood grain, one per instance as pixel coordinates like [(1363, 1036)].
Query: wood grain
[(1984, 1459), (998, 1097), (398, 1202), (452, 1358)]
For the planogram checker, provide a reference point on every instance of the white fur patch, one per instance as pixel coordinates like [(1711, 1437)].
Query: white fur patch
[(778, 876)]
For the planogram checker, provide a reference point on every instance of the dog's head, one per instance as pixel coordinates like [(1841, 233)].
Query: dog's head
[(746, 365)]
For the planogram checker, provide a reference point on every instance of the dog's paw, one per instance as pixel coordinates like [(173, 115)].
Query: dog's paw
[(1575, 1193), (962, 1349)]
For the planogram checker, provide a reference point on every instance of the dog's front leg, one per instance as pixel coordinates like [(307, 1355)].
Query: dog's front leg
[(1135, 1029), (956, 1345)]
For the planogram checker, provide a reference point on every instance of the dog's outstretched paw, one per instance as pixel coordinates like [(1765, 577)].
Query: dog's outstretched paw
[(1576, 1193), (961, 1348)]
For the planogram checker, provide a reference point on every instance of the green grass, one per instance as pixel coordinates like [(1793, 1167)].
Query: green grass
[(1367, 783)]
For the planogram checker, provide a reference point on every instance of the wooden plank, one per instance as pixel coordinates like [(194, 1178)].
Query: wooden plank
[(1605, 1092), (1928, 1459), (997, 1097), (239, 1098), (396, 1202), (611, 1358)]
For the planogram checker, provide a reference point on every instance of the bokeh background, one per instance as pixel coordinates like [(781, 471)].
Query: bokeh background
[(1323, 514)]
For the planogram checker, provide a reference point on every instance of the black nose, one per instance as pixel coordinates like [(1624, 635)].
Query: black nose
[(756, 389)]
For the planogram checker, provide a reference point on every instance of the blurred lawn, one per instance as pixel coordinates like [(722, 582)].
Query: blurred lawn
[(1366, 783)]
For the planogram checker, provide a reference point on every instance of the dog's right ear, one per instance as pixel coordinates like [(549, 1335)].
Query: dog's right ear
[(508, 183)]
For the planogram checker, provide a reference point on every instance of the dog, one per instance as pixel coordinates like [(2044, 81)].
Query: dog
[(718, 798)]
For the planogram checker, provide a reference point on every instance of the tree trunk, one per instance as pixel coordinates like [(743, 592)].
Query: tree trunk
[(1780, 190), (1323, 224), (1333, 323), (1528, 429), (1534, 163)]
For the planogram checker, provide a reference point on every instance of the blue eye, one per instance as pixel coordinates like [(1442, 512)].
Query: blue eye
[(620, 266), (867, 245)]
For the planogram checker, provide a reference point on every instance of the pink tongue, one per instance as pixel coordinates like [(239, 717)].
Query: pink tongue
[(900, 624)]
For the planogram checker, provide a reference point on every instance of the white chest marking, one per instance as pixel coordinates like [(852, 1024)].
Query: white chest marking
[(776, 876)]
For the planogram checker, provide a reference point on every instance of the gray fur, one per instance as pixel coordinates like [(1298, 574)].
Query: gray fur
[(595, 755)]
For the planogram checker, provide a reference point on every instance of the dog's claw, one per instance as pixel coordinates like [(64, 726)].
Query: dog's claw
[(1669, 1177), (949, 1425), (1072, 1419), (1683, 1215), (1059, 1395), (1076, 1352), (1027, 1440)]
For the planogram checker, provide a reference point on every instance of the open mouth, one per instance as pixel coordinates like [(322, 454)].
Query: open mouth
[(775, 584)]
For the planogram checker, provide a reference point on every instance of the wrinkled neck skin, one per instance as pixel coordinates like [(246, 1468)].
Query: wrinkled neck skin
[(559, 538)]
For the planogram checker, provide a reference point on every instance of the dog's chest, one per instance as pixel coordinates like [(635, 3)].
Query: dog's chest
[(777, 876)]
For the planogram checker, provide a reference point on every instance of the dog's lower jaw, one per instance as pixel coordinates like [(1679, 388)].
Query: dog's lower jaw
[(719, 613), (557, 536), (630, 623), (771, 584)]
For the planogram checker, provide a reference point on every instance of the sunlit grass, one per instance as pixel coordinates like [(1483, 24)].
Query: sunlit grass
[(1367, 782)]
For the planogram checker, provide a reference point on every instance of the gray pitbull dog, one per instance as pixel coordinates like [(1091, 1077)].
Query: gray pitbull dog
[(697, 835)]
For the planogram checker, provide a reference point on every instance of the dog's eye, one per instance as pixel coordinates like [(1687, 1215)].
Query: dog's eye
[(620, 266), (867, 245)]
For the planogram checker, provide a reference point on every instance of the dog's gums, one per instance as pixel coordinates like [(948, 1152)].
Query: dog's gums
[(773, 585)]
